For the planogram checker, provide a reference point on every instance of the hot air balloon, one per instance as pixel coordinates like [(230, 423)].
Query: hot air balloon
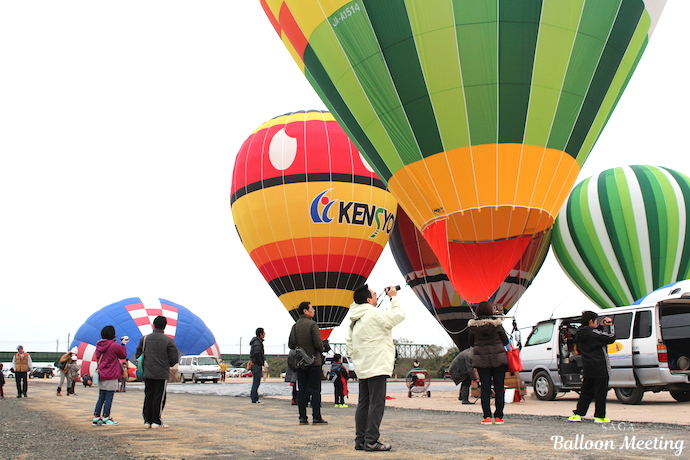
[(311, 213), (673, 290), (424, 274), (134, 317), (625, 233), (478, 115)]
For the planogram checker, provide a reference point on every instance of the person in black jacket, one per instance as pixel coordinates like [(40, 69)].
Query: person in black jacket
[(256, 353), (489, 339), (160, 354), (592, 341), (305, 334)]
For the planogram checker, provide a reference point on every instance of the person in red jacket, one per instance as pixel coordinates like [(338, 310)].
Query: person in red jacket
[(340, 376), (108, 355)]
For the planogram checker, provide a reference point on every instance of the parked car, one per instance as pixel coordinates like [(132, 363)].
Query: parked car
[(42, 372), (349, 365), (8, 373), (246, 373), (199, 368), (234, 372), (651, 352)]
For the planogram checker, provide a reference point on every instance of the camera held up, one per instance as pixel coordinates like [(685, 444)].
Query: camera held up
[(397, 288)]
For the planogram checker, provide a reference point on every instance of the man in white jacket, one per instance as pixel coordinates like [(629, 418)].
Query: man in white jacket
[(370, 345)]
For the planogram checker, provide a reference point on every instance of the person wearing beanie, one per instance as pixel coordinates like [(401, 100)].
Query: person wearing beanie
[(21, 366), (159, 354), (108, 355)]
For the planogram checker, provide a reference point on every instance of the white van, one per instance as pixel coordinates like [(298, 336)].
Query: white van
[(347, 363), (199, 368), (651, 352)]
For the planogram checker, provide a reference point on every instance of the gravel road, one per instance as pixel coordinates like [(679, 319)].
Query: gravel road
[(225, 427)]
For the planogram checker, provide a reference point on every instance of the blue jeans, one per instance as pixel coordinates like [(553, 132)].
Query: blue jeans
[(105, 402), (257, 372)]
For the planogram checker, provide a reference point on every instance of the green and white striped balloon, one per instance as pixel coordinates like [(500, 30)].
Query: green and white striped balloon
[(624, 233)]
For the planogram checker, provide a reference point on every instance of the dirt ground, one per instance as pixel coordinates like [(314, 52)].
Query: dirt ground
[(219, 427)]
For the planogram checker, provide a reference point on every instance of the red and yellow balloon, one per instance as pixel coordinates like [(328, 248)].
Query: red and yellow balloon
[(311, 213)]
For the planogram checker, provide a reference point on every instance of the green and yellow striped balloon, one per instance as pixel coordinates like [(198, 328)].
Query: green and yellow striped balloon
[(477, 114), (625, 233)]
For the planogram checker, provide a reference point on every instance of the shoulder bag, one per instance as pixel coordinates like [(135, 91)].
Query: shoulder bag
[(140, 361), (514, 361)]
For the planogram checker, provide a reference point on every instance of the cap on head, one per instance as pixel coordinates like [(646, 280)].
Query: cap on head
[(160, 322), (19, 347)]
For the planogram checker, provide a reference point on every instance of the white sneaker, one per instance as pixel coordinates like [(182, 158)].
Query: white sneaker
[(147, 425), (162, 425)]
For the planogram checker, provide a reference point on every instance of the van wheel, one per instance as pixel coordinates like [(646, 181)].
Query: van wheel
[(629, 395), (182, 379), (194, 379), (680, 395), (543, 387)]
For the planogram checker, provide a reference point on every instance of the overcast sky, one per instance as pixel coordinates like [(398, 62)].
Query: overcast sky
[(119, 126)]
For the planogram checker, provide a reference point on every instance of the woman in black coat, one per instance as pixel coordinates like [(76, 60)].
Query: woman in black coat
[(489, 339)]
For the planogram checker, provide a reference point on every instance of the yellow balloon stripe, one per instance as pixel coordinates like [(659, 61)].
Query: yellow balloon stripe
[(291, 219), (341, 297), (487, 192)]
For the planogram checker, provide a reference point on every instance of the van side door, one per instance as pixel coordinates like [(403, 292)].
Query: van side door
[(621, 351), (645, 359)]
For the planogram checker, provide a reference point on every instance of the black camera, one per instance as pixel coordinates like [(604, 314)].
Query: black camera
[(397, 288)]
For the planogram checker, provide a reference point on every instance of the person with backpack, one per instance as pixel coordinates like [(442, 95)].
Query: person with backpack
[(339, 375), (61, 365)]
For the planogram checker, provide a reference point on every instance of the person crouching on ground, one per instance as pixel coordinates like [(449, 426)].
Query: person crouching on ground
[(592, 341), (108, 355), (370, 346), (489, 339), (305, 334), (462, 373), (340, 376)]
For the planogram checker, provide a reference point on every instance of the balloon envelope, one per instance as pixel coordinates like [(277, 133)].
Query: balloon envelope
[(311, 213), (624, 233), (134, 317), (673, 290), (478, 115), (424, 274)]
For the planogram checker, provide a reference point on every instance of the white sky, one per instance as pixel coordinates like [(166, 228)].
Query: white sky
[(119, 126)]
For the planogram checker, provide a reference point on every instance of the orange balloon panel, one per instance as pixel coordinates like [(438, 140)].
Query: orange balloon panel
[(311, 213)]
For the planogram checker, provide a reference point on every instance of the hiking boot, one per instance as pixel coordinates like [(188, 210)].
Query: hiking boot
[(575, 418), (498, 421), (377, 447), (97, 421), (487, 421), (601, 420), (109, 421)]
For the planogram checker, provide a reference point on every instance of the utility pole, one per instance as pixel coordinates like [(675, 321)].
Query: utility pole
[(240, 349), (68, 336), (57, 345)]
